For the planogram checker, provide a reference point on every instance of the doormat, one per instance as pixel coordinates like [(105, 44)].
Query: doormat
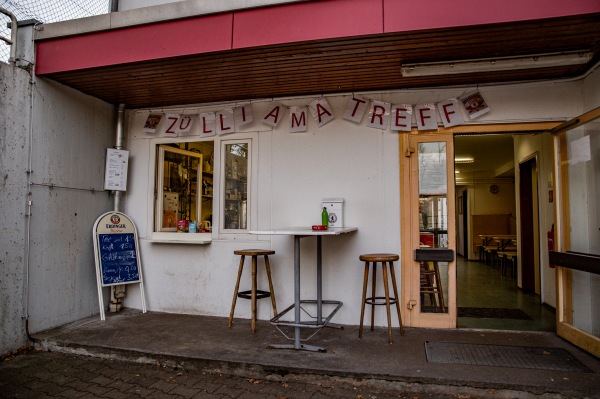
[(493, 313), (503, 356)]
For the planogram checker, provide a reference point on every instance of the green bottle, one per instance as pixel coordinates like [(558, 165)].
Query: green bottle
[(324, 217)]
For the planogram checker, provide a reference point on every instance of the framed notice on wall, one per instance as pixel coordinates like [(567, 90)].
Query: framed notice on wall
[(115, 173)]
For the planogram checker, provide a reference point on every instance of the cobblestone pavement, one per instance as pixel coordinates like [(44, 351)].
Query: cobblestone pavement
[(36, 374)]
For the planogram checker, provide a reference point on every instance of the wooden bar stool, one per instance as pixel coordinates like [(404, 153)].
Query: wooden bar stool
[(385, 260), (254, 293)]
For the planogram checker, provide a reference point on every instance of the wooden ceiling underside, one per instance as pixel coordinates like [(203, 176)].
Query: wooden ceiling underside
[(354, 64)]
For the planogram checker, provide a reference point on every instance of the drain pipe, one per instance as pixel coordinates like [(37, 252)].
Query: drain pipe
[(117, 292)]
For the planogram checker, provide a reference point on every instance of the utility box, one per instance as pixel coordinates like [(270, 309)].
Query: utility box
[(335, 210)]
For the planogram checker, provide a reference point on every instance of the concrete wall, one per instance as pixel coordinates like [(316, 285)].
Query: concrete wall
[(14, 141), (207, 6), (46, 259), (295, 171)]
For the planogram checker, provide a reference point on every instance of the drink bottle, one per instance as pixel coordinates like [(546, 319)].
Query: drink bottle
[(324, 217)]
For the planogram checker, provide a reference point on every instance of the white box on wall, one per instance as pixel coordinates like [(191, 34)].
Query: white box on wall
[(335, 210)]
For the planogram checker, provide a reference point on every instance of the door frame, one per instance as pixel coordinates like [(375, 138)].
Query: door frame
[(411, 314), (564, 289)]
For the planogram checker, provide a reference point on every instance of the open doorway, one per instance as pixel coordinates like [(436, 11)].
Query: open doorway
[(490, 228)]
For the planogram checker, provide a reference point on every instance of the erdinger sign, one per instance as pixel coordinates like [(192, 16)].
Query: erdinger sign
[(380, 115)]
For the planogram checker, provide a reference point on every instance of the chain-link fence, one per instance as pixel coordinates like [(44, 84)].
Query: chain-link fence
[(46, 11)]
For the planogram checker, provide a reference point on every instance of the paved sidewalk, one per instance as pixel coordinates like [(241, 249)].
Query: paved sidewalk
[(40, 374), (203, 343)]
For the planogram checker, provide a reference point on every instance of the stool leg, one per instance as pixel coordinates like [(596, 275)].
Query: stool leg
[(364, 299), (268, 268), (373, 293), (395, 287), (235, 291), (440, 288), (387, 300), (253, 322)]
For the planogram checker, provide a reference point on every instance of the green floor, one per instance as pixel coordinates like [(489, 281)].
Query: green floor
[(478, 285)]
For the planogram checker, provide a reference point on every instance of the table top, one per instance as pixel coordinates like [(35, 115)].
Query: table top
[(306, 231)]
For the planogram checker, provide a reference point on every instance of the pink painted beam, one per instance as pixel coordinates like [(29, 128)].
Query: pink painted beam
[(312, 20), (410, 15), (297, 22), (139, 43)]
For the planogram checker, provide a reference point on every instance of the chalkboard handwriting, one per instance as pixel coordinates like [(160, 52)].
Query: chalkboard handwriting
[(118, 258)]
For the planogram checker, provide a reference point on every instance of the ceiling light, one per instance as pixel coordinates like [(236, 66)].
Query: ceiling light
[(497, 64), (464, 160)]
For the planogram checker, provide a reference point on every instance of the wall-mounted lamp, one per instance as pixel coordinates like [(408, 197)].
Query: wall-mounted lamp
[(497, 64), (464, 160)]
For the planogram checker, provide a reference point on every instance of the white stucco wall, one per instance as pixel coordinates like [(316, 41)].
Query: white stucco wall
[(540, 146), (295, 171)]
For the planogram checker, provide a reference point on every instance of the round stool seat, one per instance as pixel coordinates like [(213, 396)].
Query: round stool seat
[(386, 262), (379, 257), (254, 252)]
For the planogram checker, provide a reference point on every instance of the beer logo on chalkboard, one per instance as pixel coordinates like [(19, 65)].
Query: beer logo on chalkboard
[(115, 219)]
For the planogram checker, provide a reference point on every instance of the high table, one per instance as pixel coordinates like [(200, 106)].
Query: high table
[(320, 321)]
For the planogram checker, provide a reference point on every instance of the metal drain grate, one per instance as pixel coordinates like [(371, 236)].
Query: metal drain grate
[(503, 356)]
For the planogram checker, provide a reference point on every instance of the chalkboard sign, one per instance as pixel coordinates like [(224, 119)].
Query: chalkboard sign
[(117, 254), (118, 259)]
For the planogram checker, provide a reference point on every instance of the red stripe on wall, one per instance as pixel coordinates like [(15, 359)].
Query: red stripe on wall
[(139, 43), (307, 21), (407, 15)]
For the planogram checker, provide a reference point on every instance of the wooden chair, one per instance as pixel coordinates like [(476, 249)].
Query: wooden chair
[(387, 261), (253, 294), (431, 284)]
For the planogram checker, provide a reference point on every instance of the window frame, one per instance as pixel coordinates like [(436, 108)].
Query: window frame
[(222, 185), (159, 208), (154, 234)]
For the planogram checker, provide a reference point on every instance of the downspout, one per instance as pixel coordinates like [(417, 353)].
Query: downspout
[(119, 138), (117, 292)]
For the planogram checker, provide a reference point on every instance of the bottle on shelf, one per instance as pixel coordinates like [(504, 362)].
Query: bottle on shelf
[(324, 217)]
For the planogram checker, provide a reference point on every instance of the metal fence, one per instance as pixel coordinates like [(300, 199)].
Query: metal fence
[(46, 11)]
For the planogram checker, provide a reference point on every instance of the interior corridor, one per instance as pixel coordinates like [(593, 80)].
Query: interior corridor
[(481, 286)]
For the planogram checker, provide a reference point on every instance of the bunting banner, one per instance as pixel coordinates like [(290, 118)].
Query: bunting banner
[(152, 123), (426, 117), (243, 116), (356, 108), (184, 125), (380, 115), (450, 112), (172, 121), (474, 104), (224, 121), (298, 122), (321, 111), (274, 114), (207, 124), (402, 118)]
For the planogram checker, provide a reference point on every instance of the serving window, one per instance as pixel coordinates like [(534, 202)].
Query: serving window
[(187, 186)]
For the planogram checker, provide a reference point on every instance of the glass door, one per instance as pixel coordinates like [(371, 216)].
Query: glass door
[(578, 232), (428, 230)]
